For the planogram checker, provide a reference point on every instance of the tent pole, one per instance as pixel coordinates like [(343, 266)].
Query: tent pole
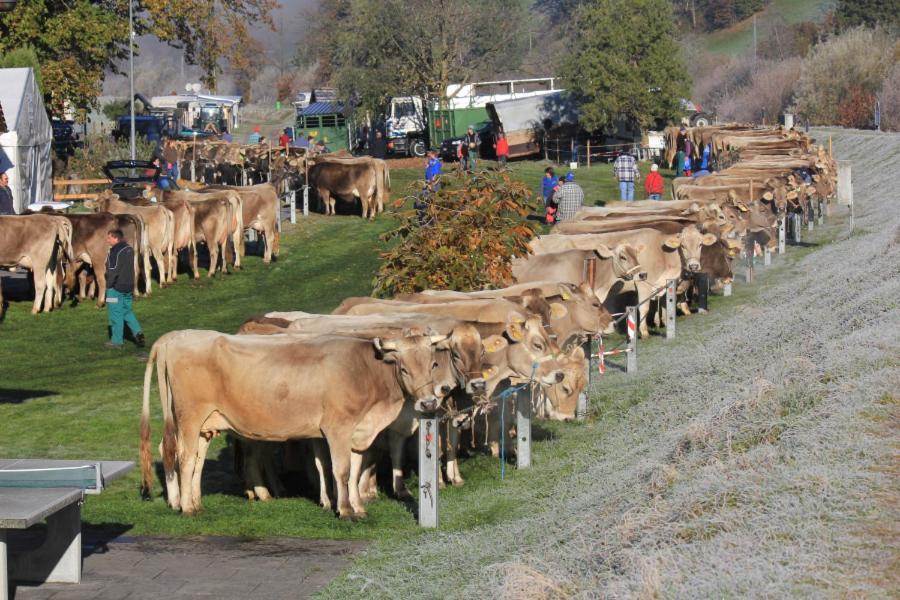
[(131, 68)]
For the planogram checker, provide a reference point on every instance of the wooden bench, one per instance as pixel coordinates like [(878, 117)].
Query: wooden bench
[(34, 490)]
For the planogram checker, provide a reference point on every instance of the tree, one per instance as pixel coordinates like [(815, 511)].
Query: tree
[(851, 67), (23, 57), (377, 48), (853, 13), (626, 64), (78, 41)]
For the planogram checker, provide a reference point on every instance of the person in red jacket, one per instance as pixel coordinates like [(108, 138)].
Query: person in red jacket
[(502, 148), (654, 183)]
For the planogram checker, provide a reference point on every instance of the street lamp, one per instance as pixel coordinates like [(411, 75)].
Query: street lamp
[(131, 68)]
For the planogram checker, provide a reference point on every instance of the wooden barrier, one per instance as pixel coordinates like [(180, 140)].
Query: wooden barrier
[(84, 196)]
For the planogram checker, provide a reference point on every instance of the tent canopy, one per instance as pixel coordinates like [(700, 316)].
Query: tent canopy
[(25, 149)]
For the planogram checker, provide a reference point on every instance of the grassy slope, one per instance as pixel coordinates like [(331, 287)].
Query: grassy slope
[(752, 456), (63, 395), (739, 38)]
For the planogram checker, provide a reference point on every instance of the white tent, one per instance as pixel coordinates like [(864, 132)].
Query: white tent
[(25, 148)]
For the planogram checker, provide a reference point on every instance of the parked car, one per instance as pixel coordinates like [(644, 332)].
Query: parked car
[(450, 146), (130, 177)]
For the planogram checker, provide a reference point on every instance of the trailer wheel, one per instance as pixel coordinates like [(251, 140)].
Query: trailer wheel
[(417, 148), (701, 120)]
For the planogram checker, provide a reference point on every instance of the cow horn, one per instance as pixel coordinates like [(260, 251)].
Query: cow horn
[(384, 346), (437, 338)]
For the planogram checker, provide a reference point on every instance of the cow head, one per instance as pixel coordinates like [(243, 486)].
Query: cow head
[(522, 351), (464, 351), (560, 400), (624, 259), (689, 244), (414, 360), (577, 309)]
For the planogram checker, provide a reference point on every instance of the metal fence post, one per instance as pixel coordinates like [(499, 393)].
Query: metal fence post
[(767, 256), (726, 289), (193, 170), (670, 309), (782, 234), (810, 218), (750, 251), (631, 324), (305, 200), (581, 408), (821, 213), (293, 207), (523, 428), (428, 472)]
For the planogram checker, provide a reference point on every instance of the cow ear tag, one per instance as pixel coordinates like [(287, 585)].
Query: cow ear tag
[(672, 242)]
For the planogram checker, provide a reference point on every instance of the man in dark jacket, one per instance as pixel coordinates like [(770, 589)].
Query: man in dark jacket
[(470, 144), (379, 146), (6, 199), (119, 288)]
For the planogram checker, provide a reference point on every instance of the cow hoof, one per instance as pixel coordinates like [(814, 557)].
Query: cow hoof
[(326, 506), (457, 482), (346, 516), (360, 515)]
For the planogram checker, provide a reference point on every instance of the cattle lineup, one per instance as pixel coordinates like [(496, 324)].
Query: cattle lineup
[(344, 390)]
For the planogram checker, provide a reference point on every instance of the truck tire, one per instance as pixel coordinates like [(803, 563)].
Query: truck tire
[(417, 148), (701, 120)]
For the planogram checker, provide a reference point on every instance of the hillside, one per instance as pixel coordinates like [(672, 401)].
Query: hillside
[(739, 38)]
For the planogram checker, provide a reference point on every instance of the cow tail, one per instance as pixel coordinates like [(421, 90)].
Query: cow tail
[(166, 400), (146, 463), (238, 208), (170, 232)]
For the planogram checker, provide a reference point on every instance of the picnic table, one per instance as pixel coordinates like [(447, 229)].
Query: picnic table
[(34, 490)]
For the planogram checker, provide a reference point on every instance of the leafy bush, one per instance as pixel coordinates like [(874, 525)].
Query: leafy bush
[(853, 64), (475, 232), (88, 161)]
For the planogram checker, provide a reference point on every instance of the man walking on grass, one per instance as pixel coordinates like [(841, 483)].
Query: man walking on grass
[(626, 172), (569, 198), (119, 288)]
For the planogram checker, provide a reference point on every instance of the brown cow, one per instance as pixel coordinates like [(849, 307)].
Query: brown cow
[(160, 227), (211, 382), (36, 242), (260, 212), (90, 248), (345, 181)]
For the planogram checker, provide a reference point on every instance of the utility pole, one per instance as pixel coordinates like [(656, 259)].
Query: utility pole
[(131, 68)]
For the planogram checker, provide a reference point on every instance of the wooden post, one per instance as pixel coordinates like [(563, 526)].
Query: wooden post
[(429, 463), (781, 234), (523, 428), (670, 309), (631, 324), (589, 152), (557, 150)]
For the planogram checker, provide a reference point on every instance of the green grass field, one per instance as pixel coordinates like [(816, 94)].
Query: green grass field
[(738, 39), (63, 395)]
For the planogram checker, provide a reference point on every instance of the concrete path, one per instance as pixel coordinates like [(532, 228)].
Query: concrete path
[(144, 567)]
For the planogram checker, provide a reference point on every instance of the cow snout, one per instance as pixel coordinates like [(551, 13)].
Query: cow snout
[(560, 376), (428, 405), (444, 390), (477, 385), (693, 265)]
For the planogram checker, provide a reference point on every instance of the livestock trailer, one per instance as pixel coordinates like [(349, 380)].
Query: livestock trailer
[(325, 121)]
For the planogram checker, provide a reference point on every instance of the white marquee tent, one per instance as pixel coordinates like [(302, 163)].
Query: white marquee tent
[(26, 146)]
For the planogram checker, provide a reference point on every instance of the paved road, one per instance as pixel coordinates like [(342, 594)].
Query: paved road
[(144, 567)]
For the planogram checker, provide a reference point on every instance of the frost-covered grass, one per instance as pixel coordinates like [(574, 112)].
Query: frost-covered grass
[(755, 455)]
